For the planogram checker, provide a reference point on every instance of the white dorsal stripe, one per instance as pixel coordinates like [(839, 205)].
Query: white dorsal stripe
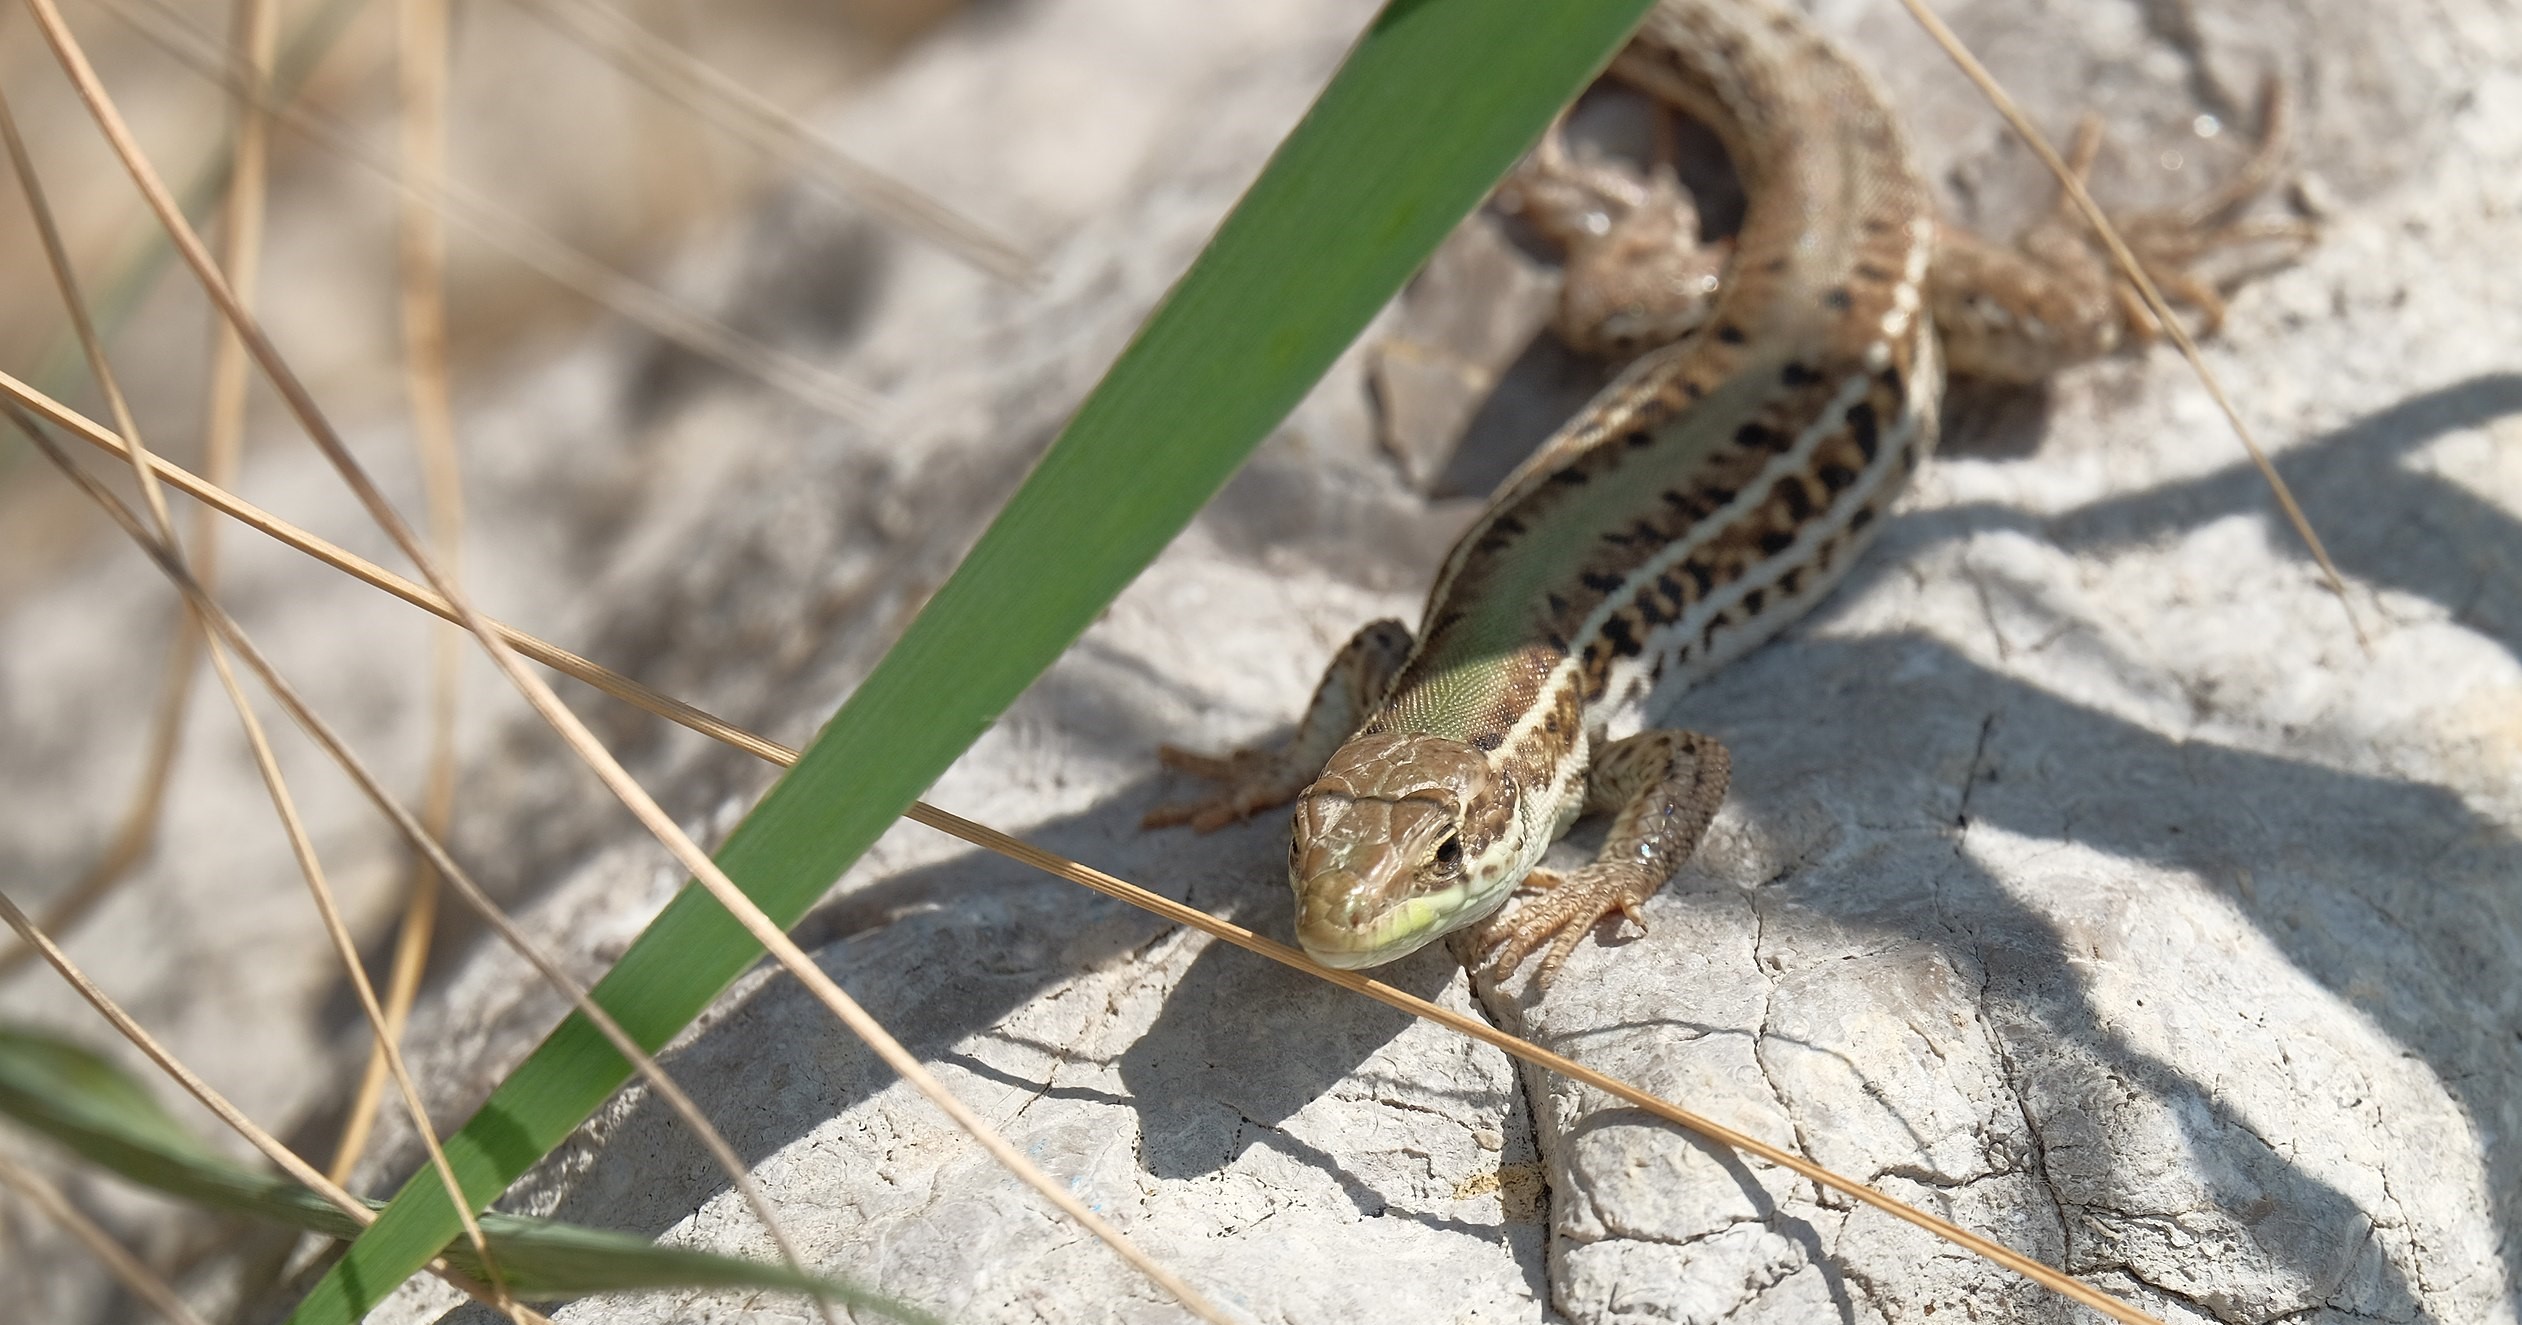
[(1669, 642), (1897, 437), (1826, 422)]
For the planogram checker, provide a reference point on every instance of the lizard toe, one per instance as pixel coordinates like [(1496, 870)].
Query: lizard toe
[(1568, 909), (1252, 781)]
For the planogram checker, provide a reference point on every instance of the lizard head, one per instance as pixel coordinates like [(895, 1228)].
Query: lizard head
[(1397, 843)]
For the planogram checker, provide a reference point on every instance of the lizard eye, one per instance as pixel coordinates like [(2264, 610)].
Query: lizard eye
[(1449, 854)]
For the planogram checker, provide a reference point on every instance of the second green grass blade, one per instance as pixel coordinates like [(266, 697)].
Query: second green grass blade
[(1433, 104), (81, 1100)]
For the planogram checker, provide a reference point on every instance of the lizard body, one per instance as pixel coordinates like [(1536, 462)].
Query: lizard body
[(1703, 501)]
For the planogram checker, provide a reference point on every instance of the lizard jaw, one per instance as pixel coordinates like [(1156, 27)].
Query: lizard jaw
[(1341, 923)]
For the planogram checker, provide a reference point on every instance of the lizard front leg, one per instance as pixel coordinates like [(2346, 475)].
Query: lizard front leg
[(1664, 786), (1258, 778)]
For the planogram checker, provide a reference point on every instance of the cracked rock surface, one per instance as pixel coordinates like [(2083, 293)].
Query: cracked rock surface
[(2084, 880)]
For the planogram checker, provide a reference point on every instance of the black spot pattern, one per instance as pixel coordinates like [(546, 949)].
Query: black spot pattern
[(1867, 430), (1797, 499), (1757, 436)]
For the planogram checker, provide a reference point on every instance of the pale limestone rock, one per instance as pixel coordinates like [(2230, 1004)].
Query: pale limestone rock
[(2084, 881)]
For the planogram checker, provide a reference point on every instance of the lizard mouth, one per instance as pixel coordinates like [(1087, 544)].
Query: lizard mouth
[(1341, 924)]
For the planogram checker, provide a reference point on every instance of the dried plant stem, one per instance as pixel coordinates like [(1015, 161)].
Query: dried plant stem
[(433, 850), (240, 255), (421, 252), (2155, 303), (266, 764), (635, 301), (347, 950), (990, 839), (540, 696), (253, 34)]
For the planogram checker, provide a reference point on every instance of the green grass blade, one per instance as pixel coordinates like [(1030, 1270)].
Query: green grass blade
[(88, 1105), (546, 1259), (1433, 104)]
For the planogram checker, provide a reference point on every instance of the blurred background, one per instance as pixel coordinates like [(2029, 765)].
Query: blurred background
[(756, 309), (605, 125)]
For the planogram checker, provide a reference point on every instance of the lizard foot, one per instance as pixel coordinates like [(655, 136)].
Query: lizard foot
[(1257, 779), (2172, 245), (1569, 907), (1250, 781), (2053, 299)]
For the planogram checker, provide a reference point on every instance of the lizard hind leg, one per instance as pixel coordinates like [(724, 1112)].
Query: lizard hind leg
[(2024, 311), (1255, 779), (1664, 788)]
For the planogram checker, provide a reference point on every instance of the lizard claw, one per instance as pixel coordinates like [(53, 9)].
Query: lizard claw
[(1569, 907)]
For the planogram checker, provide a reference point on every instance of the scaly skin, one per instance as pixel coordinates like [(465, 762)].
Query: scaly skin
[(1702, 502)]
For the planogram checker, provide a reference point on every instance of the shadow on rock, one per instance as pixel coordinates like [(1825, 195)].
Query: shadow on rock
[(2368, 885)]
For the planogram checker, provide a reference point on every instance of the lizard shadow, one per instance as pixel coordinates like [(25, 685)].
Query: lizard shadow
[(2439, 540), (2345, 849), (944, 953), (2394, 525), (2031, 778), (896, 942), (2046, 768)]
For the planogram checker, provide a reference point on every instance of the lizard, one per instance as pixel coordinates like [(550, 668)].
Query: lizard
[(1784, 389)]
